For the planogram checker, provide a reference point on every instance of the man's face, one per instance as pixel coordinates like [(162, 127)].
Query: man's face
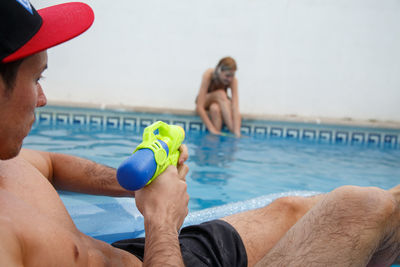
[(17, 105)]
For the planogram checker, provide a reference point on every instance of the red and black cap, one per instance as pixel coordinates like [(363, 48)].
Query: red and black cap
[(25, 31)]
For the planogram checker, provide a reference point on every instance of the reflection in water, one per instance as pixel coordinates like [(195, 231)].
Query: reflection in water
[(213, 151)]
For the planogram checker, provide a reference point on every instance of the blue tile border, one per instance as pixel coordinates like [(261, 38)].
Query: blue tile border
[(276, 132), (260, 130), (325, 135), (345, 135), (293, 133), (309, 134), (357, 138)]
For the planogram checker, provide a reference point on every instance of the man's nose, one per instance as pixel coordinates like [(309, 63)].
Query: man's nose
[(41, 98)]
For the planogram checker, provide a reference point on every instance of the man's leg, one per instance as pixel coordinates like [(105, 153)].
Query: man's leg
[(351, 226), (261, 229)]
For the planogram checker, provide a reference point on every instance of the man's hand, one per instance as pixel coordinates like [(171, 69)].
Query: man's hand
[(164, 205), (165, 200)]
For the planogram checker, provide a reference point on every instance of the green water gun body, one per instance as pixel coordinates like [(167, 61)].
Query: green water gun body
[(152, 156)]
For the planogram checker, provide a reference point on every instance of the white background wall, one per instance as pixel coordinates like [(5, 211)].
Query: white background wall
[(324, 58)]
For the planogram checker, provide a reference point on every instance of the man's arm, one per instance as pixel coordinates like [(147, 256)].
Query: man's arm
[(164, 207), (163, 203), (76, 174)]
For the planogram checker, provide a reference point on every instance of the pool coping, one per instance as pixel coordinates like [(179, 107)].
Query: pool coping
[(370, 123), (135, 118)]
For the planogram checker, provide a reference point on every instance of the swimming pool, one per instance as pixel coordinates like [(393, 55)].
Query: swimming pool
[(227, 175)]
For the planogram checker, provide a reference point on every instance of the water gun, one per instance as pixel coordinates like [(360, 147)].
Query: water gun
[(152, 156)]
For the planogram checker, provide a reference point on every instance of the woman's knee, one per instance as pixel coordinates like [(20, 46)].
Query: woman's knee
[(215, 109), (221, 96)]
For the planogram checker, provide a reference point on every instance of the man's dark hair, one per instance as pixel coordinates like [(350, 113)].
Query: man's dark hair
[(8, 72)]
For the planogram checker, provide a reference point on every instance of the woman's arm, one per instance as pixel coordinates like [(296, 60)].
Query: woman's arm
[(237, 120), (201, 101)]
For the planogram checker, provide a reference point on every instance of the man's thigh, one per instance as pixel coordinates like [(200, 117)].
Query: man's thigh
[(261, 229)]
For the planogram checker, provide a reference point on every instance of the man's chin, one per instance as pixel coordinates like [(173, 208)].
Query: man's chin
[(30, 127), (33, 121), (10, 154)]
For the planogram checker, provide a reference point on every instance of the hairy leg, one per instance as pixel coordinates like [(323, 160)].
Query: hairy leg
[(261, 229), (395, 191), (215, 115), (351, 226)]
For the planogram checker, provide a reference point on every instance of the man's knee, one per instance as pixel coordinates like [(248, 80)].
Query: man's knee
[(365, 203), (292, 206)]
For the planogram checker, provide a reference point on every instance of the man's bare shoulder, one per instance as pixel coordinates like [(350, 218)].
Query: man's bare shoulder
[(38, 159), (10, 245)]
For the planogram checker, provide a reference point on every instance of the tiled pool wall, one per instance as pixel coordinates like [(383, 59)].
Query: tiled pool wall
[(327, 133)]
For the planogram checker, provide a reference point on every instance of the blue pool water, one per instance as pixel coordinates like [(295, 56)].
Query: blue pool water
[(226, 174)]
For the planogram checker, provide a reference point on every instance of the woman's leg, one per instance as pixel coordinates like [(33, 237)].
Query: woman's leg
[(220, 97), (215, 115)]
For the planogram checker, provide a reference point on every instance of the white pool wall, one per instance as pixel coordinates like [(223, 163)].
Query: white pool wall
[(318, 58)]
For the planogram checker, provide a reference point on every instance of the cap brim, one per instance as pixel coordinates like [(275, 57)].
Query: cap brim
[(60, 23)]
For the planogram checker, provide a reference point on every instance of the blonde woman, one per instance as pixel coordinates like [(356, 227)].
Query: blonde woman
[(213, 104)]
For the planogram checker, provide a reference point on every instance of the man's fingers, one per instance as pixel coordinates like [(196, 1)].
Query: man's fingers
[(184, 155), (183, 169)]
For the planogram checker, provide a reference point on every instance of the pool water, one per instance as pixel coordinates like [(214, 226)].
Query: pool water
[(224, 171)]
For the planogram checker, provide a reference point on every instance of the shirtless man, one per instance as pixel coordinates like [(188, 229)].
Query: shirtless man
[(350, 226)]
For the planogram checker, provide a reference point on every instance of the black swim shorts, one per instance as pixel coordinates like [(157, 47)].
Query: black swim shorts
[(215, 243)]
